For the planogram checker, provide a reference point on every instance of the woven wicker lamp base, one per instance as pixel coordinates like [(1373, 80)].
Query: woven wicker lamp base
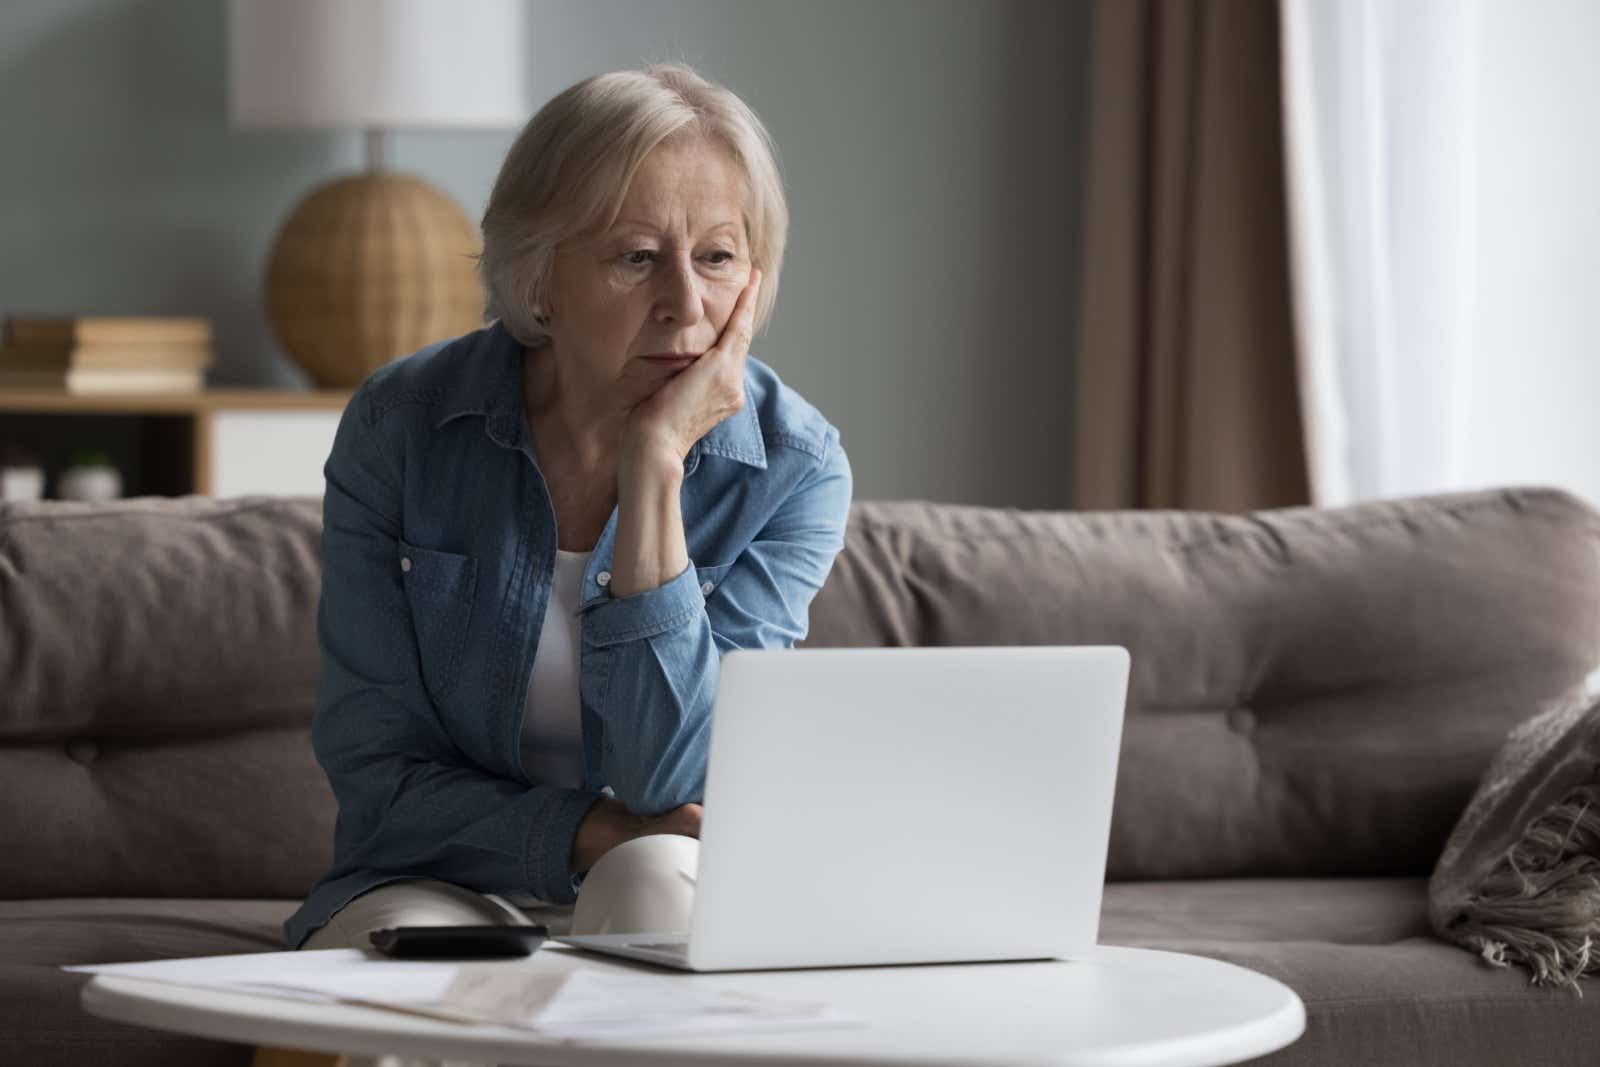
[(367, 269)]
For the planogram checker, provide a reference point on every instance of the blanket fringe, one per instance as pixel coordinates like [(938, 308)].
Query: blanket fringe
[(1540, 906)]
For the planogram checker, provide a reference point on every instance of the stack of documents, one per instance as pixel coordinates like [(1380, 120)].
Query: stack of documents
[(570, 1005)]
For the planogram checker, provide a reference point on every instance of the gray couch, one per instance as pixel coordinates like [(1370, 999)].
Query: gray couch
[(1315, 694)]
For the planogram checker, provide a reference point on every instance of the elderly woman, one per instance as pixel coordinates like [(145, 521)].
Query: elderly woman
[(540, 537)]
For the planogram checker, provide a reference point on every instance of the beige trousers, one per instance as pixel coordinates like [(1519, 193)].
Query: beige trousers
[(645, 885)]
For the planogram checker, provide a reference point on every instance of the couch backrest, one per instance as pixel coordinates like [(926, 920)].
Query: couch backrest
[(159, 663), (1313, 691)]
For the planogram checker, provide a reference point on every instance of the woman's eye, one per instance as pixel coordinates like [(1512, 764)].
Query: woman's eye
[(647, 252)]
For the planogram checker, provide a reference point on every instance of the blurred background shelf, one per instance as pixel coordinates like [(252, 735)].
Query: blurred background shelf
[(218, 442)]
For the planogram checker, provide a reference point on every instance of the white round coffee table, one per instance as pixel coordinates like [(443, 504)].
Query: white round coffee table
[(1121, 1007)]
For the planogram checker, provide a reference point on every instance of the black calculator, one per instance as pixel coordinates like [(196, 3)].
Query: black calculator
[(458, 942)]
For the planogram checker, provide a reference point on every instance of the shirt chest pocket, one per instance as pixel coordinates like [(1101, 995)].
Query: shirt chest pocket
[(440, 587)]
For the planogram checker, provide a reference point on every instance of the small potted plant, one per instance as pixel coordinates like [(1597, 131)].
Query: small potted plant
[(89, 475)]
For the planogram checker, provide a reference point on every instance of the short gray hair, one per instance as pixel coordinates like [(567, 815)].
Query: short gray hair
[(567, 173)]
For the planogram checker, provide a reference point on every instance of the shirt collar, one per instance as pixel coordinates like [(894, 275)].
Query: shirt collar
[(488, 382)]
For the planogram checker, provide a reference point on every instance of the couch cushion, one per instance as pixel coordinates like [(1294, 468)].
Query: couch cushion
[(41, 1023), (1340, 911), (70, 931), (1378, 987), (160, 666), (1313, 691)]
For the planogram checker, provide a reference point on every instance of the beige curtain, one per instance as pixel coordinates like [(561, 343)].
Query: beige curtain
[(1186, 392)]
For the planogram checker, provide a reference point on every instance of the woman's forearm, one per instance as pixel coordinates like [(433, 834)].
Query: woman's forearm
[(650, 549)]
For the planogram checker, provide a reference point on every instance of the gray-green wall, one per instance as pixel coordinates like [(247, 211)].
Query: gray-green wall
[(932, 152)]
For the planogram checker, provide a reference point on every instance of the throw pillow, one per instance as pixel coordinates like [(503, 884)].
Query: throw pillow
[(1519, 878)]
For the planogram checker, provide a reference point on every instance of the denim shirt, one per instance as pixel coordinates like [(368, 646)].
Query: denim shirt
[(438, 552)]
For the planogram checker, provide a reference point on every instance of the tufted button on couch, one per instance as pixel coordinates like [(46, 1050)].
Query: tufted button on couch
[(1314, 696)]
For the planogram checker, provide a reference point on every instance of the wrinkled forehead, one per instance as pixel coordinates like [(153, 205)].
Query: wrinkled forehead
[(695, 184)]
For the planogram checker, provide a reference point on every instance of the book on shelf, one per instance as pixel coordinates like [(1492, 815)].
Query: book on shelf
[(167, 356), (66, 331), (83, 380), (105, 354)]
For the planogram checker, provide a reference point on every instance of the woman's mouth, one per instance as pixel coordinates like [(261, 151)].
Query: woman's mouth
[(665, 360)]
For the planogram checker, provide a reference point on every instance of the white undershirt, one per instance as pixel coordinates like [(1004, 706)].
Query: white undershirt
[(552, 724)]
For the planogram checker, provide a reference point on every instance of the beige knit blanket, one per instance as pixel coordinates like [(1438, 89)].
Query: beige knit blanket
[(1519, 878)]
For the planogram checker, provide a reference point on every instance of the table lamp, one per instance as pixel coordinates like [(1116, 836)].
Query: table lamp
[(374, 265)]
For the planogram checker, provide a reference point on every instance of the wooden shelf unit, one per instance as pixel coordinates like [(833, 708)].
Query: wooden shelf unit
[(183, 442)]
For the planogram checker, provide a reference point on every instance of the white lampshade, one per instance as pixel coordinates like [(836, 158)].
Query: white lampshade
[(377, 64)]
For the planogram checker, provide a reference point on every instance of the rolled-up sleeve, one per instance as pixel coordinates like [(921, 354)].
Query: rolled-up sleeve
[(408, 801), (663, 645)]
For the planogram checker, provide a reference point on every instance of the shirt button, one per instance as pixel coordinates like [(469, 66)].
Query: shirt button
[(604, 578), (706, 588), (405, 564)]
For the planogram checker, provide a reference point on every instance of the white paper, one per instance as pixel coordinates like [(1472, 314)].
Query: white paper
[(328, 975), (584, 1004), (568, 1005)]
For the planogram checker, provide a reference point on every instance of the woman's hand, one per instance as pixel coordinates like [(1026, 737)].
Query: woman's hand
[(665, 426), (609, 823)]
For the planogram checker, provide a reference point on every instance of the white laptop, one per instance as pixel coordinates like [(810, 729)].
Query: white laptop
[(869, 806)]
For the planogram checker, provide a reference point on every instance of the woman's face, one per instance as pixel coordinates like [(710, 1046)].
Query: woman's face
[(664, 279)]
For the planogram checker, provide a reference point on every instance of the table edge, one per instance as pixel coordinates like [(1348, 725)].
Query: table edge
[(127, 1000)]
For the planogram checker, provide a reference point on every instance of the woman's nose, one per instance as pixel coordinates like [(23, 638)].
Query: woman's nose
[(679, 294)]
